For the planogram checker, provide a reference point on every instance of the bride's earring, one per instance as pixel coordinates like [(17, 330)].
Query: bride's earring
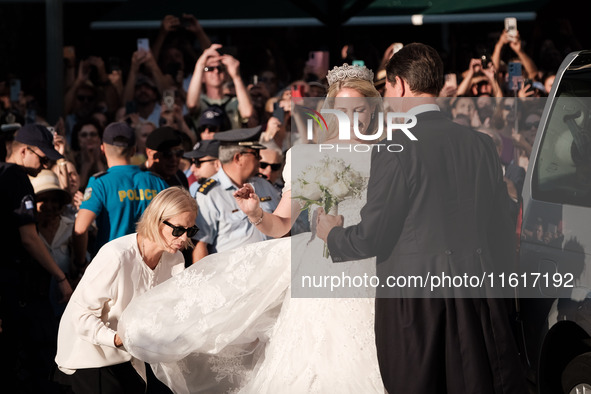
[(373, 115)]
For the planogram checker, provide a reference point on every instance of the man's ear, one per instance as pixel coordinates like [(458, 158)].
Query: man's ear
[(151, 153), (396, 89), (22, 150), (403, 86)]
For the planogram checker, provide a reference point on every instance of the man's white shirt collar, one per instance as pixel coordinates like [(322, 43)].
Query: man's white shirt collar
[(419, 109)]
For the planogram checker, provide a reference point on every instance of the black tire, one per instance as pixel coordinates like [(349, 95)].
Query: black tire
[(577, 373)]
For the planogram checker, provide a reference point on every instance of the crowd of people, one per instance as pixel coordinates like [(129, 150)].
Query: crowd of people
[(183, 126)]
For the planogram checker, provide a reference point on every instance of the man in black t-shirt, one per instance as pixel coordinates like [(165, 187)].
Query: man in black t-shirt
[(28, 333)]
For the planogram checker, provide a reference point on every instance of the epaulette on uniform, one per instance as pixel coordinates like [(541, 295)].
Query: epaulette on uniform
[(207, 185), (99, 174)]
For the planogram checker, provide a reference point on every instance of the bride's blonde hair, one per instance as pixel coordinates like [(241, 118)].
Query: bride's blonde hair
[(363, 87)]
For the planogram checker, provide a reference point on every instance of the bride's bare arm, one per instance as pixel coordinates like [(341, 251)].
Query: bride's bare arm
[(275, 224)]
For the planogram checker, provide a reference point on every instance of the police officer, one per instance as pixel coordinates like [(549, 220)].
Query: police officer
[(204, 163), (116, 198), (222, 225)]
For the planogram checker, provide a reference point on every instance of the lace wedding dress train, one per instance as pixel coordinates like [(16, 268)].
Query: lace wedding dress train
[(229, 323)]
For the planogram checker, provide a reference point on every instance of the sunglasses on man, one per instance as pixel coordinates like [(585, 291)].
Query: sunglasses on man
[(199, 162), (44, 160), (274, 166), (209, 69), (177, 231)]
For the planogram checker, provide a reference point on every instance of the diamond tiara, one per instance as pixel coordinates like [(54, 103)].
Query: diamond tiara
[(347, 71)]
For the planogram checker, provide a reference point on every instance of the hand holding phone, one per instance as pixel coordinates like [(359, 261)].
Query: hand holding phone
[(451, 80), (278, 112), (511, 28), (143, 44), (186, 22), (515, 76), (168, 98)]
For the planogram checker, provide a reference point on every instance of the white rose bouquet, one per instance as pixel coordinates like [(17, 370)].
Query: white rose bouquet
[(327, 184)]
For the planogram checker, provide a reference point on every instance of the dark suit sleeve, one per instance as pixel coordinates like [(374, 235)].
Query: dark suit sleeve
[(382, 217), (501, 231)]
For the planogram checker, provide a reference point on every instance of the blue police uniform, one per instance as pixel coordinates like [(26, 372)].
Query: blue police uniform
[(118, 197), (221, 223)]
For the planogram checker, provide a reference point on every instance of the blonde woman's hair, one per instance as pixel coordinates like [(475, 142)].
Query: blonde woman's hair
[(362, 86), (168, 203)]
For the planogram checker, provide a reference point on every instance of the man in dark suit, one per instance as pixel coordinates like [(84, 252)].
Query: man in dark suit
[(438, 206)]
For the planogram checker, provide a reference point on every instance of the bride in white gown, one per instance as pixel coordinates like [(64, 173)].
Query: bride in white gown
[(237, 321)]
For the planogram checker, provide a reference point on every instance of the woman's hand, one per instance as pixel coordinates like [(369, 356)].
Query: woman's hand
[(525, 91), (118, 342), (170, 23), (211, 52), (247, 199), (59, 143), (273, 127)]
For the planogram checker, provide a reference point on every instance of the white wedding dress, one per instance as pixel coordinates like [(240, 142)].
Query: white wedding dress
[(232, 322)]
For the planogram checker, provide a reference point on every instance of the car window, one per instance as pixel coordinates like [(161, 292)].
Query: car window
[(562, 172)]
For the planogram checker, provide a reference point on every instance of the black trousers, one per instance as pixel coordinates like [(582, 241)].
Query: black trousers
[(454, 346), (114, 379)]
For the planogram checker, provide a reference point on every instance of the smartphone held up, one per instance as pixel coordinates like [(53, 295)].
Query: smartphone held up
[(143, 44), (511, 28), (451, 80)]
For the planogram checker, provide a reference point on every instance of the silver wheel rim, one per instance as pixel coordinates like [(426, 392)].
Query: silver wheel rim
[(583, 388)]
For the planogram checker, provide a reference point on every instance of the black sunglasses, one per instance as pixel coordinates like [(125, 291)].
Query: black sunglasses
[(42, 159), (274, 166), (530, 125), (199, 162), (170, 153), (210, 69), (177, 231)]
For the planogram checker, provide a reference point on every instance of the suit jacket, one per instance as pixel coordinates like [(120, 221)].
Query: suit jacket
[(438, 206)]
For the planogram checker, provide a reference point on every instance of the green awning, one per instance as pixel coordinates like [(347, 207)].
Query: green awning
[(141, 14)]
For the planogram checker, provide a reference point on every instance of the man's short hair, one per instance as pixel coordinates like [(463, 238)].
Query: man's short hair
[(227, 152), (420, 66), (119, 151)]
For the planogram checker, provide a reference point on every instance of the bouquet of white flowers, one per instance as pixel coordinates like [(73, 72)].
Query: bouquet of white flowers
[(327, 184)]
